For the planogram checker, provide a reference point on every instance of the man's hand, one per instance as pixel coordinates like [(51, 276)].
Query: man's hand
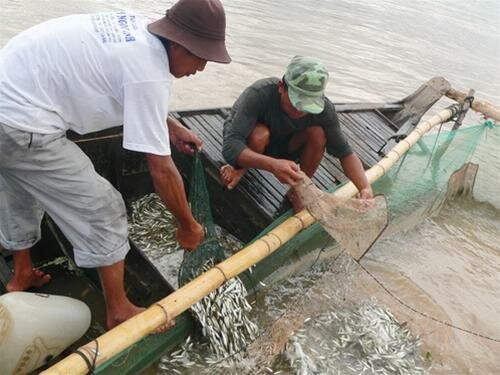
[(286, 171), (189, 238), (364, 201), (183, 138), (168, 184), (353, 169), (366, 193)]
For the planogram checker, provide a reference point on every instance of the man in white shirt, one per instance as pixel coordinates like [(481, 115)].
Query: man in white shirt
[(87, 73)]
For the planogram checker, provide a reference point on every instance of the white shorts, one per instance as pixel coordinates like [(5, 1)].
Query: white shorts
[(49, 173)]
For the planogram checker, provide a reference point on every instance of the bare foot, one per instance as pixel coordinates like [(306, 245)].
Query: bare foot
[(128, 311), (295, 200), (230, 176), (25, 280)]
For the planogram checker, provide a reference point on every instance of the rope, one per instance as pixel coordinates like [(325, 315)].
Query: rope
[(434, 146), (222, 272), (165, 312), (425, 314), (277, 237), (87, 361), (85, 352), (299, 219)]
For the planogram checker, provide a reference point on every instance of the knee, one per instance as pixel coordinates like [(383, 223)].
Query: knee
[(259, 137), (316, 136)]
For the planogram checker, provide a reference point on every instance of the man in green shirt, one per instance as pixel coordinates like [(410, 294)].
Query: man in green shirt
[(276, 123)]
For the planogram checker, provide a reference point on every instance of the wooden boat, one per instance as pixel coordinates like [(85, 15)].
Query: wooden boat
[(245, 212)]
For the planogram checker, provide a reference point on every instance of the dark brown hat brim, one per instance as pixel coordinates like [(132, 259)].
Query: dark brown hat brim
[(205, 48)]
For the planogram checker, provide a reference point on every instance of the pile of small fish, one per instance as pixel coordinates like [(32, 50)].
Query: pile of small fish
[(367, 340), (151, 226), (191, 358), (185, 359), (223, 315), (226, 327)]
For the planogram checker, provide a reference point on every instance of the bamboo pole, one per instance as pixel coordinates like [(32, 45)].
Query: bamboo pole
[(487, 109), (134, 329)]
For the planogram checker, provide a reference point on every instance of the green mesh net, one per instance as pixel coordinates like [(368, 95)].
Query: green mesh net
[(413, 189), (209, 250), (418, 185)]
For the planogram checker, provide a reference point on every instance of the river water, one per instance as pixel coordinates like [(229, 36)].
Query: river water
[(376, 51)]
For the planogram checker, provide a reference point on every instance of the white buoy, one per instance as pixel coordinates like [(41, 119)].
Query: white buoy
[(36, 327)]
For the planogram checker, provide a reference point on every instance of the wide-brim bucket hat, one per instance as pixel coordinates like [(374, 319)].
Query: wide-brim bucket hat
[(197, 25)]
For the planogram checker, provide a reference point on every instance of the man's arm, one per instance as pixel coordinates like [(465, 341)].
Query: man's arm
[(183, 138), (337, 145), (169, 185), (353, 169)]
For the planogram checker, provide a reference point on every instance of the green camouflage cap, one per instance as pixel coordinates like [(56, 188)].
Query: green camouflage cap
[(306, 78)]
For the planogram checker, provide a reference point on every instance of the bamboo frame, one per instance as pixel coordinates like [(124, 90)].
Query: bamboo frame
[(134, 329), (487, 109)]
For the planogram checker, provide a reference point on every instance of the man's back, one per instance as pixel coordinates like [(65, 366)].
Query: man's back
[(73, 72)]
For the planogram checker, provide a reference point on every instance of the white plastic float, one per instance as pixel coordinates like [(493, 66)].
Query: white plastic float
[(36, 327)]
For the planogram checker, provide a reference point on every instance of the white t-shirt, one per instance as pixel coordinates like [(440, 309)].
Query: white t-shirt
[(88, 73)]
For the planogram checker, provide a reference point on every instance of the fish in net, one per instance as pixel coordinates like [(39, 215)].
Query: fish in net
[(364, 340), (354, 223), (210, 249), (223, 314)]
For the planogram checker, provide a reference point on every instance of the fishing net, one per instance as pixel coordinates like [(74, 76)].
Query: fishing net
[(436, 169), (223, 314), (209, 249), (354, 223), (364, 340), (416, 187), (337, 326)]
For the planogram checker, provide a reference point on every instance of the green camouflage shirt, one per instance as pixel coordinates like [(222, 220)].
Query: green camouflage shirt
[(260, 103)]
